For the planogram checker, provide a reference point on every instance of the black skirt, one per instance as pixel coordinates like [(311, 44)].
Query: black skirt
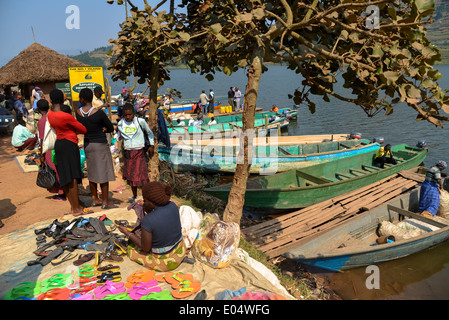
[(68, 161)]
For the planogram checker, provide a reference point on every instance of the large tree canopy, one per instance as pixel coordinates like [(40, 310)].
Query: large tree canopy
[(379, 48)]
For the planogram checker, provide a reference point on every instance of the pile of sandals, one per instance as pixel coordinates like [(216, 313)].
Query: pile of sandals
[(57, 242)]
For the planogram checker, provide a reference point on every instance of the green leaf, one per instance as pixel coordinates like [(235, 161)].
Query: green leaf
[(216, 28), (424, 5), (209, 77), (391, 77)]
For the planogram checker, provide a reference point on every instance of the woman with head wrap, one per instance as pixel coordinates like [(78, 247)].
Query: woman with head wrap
[(429, 196), (161, 246)]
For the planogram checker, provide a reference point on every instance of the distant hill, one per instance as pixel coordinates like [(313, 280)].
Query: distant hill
[(98, 57), (438, 33)]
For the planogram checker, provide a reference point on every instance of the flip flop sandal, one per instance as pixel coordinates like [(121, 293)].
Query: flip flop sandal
[(123, 248), (108, 267), (124, 223), (24, 289), (138, 292), (111, 257), (63, 258), (140, 276), (87, 296), (178, 278), (84, 258), (85, 211), (186, 290), (118, 296), (109, 288), (109, 275), (163, 295), (56, 281), (55, 294), (161, 277)]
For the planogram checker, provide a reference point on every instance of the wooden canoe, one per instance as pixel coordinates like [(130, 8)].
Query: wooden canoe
[(266, 157), (353, 243), (237, 117), (304, 187), (221, 129)]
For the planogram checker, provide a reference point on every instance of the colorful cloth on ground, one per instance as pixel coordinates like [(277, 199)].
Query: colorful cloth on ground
[(429, 197), (163, 263)]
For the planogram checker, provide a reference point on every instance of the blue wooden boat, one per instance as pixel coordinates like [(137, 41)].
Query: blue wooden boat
[(353, 244), (224, 127), (286, 113), (279, 154)]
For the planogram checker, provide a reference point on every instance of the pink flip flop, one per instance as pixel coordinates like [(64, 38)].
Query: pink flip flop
[(141, 289), (109, 288)]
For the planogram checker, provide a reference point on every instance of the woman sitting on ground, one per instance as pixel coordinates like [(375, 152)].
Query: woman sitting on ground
[(161, 246), (22, 138)]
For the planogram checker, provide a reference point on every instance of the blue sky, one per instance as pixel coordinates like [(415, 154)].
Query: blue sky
[(99, 22)]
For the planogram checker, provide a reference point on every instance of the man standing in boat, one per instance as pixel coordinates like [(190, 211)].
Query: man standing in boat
[(237, 96)]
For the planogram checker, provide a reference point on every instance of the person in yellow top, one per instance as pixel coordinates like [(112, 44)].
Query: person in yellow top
[(384, 155)]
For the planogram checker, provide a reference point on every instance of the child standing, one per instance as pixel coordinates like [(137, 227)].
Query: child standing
[(132, 129)]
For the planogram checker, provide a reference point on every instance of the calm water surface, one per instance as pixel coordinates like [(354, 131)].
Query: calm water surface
[(421, 276)]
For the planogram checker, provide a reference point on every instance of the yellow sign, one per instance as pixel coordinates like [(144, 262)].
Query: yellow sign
[(85, 77)]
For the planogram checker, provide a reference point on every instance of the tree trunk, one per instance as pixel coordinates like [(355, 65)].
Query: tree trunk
[(152, 122), (236, 200)]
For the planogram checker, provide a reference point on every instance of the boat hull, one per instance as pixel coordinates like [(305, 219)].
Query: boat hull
[(313, 252), (279, 191), (214, 159)]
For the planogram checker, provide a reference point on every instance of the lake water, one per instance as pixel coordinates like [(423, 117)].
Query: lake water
[(421, 276)]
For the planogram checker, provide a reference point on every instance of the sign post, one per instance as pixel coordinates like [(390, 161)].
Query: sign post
[(85, 77)]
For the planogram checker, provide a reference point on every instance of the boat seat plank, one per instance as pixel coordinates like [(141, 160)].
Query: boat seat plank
[(370, 167), (342, 175), (416, 216)]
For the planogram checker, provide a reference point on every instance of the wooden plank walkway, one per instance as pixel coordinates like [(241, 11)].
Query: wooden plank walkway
[(277, 236)]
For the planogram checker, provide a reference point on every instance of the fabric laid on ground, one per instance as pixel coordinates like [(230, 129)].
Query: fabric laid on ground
[(20, 160), (18, 249)]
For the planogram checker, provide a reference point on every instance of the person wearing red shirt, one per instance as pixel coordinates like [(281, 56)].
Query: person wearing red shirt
[(67, 154)]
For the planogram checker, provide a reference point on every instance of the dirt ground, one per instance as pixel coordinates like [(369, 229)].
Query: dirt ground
[(23, 203)]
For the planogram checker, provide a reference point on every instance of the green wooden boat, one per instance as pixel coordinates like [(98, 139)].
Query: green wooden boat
[(260, 124), (301, 188), (288, 113)]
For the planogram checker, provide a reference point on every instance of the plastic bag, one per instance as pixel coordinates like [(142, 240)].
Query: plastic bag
[(217, 242), (387, 228), (443, 209), (190, 221), (46, 177), (48, 143)]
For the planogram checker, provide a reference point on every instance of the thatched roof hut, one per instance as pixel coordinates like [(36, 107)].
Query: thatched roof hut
[(37, 65)]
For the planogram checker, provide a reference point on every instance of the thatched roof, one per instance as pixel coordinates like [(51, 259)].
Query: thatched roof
[(37, 64)]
